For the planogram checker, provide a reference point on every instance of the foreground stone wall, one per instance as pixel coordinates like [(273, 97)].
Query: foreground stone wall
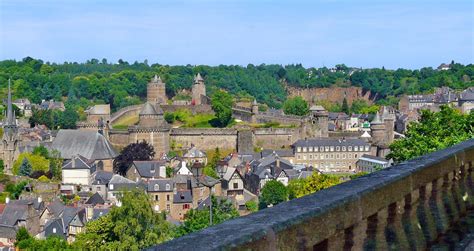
[(405, 207)]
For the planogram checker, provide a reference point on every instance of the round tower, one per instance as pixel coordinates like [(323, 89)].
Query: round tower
[(198, 90), (377, 128), (156, 91), (254, 111), (319, 116), (388, 117)]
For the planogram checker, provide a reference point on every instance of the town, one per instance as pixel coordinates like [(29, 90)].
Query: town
[(184, 168)]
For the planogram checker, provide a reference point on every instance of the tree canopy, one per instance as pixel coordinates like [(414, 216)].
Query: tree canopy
[(296, 106), (434, 131), (301, 187), (273, 192), (222, 103), (132, 152)]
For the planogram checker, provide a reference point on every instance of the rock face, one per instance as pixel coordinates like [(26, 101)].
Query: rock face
[(332, 94)]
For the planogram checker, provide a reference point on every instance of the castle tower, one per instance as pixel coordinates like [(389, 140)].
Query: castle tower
[(10, 138), (254, 111), (151, 128), (156, 91), (199, 90), (319, 116), (388, 118), (377, 128)]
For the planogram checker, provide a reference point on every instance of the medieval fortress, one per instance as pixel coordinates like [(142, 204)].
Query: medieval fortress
[(152, 127)]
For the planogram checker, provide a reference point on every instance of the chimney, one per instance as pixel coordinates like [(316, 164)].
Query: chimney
[(7, 200), (40, 200), (89, 213)]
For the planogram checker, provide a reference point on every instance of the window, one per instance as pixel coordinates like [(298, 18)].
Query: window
[(168, 187), (356, 148), (337, 156), (310, 156), (98, 188), (315, 148), (298, 149), (327, 156), (355, 156), (236, 185), (366, 148), (111, 186), (350, 155), (321, 149), (157, 197), (332, 156), (304, 149), (168, 208), (338, 148), (326, 148), (186, 206), (304, 157), (298, 156), (322, 156), (168, 197), (350, 148), (332, 148), (343, 148), (343, 155), (156, 187), (310, 149), (54, 230)]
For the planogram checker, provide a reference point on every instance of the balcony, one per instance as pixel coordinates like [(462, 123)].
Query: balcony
[(410, 206)]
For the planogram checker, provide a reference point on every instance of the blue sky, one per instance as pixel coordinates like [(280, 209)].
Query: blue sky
[(394, 34)]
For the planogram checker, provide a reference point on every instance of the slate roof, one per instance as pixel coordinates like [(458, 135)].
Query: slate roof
[(78, 162), (148, 109), (182, 197), (279, 152), (329, 142), (56, 207), (99, 212), (144, 168), (371, 157), (89, 144), (229, 173), (101, 177), (194, 153), (79, 219), (467, 95), (160, 185), (95, 199), (56, 223), (13, 213), (68, 215), (7, 231), (120, 182)]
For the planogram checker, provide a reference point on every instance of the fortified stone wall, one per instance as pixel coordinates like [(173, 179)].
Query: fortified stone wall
[(119, 138), (409, 206), (276, 137), (282, 119), (333, 94), (195, 109), (205, 138), (158, 139), (133, 110)]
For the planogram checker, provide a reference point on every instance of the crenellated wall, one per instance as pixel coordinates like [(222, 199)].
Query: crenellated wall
[(410, 206), (205, 138)]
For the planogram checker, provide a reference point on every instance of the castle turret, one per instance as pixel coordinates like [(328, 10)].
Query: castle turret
[(388, 118), (377, 128), (10, 136), (319, 116), (156, 91), (254, 111), (198, 90)]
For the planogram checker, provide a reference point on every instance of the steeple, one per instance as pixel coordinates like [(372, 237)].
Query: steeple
[(198, 79), (377, 119), (10, 114)]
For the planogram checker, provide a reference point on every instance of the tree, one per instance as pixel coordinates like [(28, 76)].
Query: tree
[(251, 205), (195, 220), (222, 103), (134, 225), (434, 131), (132, 152), (169, 117), (210, 171), (2, 166), (345, 106), (37, 162), (41, 151), (273, 193), (25, 168), (216, 157), (22, 235), (55, 164), (296, 106), (301, 187)]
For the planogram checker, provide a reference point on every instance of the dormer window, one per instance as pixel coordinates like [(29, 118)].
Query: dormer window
[(337, 148), (298, 149), (356, 148), (111, 186), (156, 187), (350, 148), (343, 148), (168, 187), (304, 149)]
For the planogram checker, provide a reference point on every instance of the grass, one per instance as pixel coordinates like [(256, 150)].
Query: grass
[(126, 121)]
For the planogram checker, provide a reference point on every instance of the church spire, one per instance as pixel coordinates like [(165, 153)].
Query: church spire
[(10, 114)]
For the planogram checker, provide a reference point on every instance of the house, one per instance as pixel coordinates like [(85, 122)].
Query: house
[(7, 235), (182, 169), (117, 185), (52, 105), (182, 203), (269, 168), (77, 224), (369, 163), (232, 182), (77, 171), (146, 170), (200, 188), (194, 155), (100, 181), (55, 227), (95, 199), (161, 192), (286, 154), (23, 213), (466, 100), (24, 105), (89, 144), (340, 120)]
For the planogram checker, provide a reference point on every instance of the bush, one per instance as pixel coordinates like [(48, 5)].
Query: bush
[(43, 179), (169, 117), (251, 205)]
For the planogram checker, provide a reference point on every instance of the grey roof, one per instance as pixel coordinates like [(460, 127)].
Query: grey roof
[(95, 199), (56, 207), (193, 152), (229, 173), (118, 179), (183, 197), (271, 160), (145, 168), (68, 214), (160, 185), (101, 177), (374, 157), (198, 78), (329, 142), (55, 223), (7, 231), (78, 162), (79, 219), (377, 119), (315, 108), (279, 152), (467, 95), (90, 144), (148, 109), (12, 213), (99, 212)]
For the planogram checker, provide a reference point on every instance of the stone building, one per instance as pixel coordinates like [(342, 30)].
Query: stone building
[(156, 91), (198, 90), (10, 139), (330, 155), (151, 128), (161, 192)]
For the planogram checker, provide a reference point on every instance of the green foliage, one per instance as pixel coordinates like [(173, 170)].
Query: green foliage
[(195, 220), (169, 117), (55, 119), (301, 187), (22, 235), (296, 106), (222, 103), (15, 190), (2, 166), (55, 164), (434, 131), (41, 151), (357, 175), (251, 205), (43, 179), (169, 172), (210, 171), (50, 243), (216, 157), (37, 162), (132, 152), (345, 106), (132, 226), (273, 193), (25, 168)]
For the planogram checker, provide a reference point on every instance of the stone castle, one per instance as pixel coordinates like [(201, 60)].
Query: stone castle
[(153, 129)]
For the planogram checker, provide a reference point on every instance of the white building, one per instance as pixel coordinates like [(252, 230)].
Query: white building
[(368, 163), (77, 171)]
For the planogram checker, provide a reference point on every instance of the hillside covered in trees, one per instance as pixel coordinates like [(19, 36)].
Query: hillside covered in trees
[(122, 84)]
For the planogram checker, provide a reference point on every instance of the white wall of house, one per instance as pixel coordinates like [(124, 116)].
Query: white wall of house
[(236, 180), (76, 176)]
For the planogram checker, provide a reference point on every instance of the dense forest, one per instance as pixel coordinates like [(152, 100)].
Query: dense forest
[(122, 84)]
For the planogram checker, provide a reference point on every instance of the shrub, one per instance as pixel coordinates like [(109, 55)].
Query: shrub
[(43, 179)]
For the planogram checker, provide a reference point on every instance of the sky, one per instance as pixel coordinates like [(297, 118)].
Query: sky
[(394, 34)]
